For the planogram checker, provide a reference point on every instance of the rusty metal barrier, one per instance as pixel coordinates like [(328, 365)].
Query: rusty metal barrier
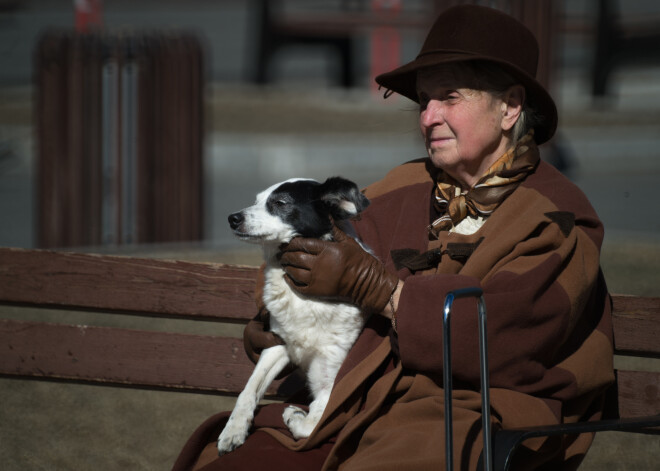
[(119, 138)]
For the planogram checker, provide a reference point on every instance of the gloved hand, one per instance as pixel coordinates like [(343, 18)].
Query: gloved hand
[(257, 337), (337, 270)]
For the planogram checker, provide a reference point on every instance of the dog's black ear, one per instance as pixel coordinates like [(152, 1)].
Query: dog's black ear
[(342, 197)]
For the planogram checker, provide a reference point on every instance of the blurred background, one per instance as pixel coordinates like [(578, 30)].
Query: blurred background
[(125, 124), (136, 126)]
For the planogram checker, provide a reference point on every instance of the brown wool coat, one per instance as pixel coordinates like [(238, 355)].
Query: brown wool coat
[(549, 332)]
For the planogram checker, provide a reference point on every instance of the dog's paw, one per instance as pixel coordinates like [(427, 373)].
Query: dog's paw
[(231, 437), (297, 420)]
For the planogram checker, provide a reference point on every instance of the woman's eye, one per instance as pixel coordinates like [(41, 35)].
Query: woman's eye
[(423, 100)]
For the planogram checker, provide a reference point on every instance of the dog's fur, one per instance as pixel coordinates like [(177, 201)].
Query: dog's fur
[(317, 334)]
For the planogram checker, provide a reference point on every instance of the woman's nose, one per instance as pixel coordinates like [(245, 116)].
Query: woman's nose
[(432, 113)]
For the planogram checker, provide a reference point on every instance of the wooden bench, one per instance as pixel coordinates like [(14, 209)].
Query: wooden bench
[(114, 356), (622, 39), (336, 24), (110, 285), (332, 25)]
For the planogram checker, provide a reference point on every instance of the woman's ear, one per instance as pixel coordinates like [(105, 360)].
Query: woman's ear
[(512, 104)]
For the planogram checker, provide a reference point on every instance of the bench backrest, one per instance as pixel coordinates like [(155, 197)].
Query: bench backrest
[(123, 285), (199, 291), (636, 323)]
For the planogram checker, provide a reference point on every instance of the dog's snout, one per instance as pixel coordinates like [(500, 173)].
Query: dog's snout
[(235, 220)]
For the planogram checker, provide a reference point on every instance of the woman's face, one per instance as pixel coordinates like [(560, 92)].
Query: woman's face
[(463, 128)]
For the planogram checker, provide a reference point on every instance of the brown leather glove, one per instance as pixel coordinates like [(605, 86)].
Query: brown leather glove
[(338, 270), (257, 337)]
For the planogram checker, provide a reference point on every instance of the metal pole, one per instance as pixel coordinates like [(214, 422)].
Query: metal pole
[(446, 371), (485, 385), (447, 375), (110, 208), (129, 110)]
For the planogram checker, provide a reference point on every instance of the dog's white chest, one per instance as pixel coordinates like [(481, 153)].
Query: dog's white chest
[(306, 325)]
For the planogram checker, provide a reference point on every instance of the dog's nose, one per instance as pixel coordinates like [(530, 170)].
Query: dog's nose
[(235, 220)]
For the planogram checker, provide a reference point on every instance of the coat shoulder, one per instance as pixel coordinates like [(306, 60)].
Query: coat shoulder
[(407, 174), (556, 187)]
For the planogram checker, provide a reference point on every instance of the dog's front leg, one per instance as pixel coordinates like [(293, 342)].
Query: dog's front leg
[(301, 423), (271, 362), (320, 375)]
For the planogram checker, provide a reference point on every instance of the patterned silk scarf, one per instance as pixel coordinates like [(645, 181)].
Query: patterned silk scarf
[(497, 183)]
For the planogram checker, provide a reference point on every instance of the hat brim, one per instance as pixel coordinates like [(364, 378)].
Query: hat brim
[(403, 80)]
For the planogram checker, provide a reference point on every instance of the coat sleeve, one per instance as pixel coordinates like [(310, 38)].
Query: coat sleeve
[(549, 323), (544, 300)]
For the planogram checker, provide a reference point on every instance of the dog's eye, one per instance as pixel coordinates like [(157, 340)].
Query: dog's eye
[(278, 202)]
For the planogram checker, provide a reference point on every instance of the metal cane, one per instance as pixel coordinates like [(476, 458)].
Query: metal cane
[(483, 363)]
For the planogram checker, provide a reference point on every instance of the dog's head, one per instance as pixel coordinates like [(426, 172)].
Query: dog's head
[(298, 207)]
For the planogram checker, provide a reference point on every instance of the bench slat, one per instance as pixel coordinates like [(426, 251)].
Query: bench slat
[(639, 393), (636, 323), (103, 282), (127, 357), (197, 291)]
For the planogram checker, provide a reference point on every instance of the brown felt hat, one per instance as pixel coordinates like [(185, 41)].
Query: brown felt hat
[(471, 32)]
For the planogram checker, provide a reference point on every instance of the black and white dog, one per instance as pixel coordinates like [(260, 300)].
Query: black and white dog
[(317, 334)]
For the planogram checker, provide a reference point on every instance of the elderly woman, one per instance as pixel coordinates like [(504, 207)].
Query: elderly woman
[(480, 210)]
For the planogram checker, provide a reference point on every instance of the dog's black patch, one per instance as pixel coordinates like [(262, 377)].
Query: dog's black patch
[(297, 205), (308, 205)]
